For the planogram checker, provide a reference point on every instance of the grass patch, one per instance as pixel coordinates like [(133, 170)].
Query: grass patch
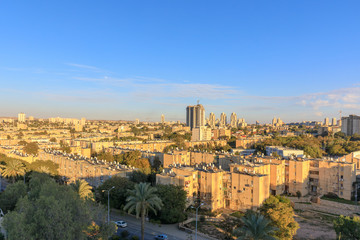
[(237, 214), (339, 200)]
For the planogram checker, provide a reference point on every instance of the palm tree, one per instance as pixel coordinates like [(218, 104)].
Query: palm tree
[(13, 169), (83, 189), (142, 199), (256, 227)]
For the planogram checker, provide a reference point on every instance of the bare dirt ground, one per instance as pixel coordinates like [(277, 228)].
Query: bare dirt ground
[(314, 226)]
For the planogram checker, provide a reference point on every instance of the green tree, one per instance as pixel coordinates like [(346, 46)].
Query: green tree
[(65, 147), (82, 188), (174, 200), (107, 156), (47, 166), (31, 148), (347, 228), (279, 210), (157, 164), (22, 142), (13, 168), (11, 195), (143, 199), (118, 195), (138, 177), (255, 227), (52, 211)]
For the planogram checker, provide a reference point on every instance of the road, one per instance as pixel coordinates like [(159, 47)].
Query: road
[(151, 230)]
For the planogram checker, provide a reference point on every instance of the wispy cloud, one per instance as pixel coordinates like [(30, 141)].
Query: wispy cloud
[(343, 98), (80, 96), (83, 66), (184, 90)]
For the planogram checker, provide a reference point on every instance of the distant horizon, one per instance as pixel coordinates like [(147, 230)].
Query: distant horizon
[(158, 121), (128, 60)]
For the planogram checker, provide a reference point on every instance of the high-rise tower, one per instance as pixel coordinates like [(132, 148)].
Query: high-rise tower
[(223, 121), (233, 120), (21, 117), (195, 116), (212, 120)]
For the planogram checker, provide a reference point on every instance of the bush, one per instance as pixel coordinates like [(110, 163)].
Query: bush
[(237, 214), (115, 237), (135, 237), (331, 195), (125, 234), (202, 218)]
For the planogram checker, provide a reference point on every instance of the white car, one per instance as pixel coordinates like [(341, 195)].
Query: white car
[(121, 224)]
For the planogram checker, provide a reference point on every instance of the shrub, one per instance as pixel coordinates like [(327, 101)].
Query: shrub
[(135, 237), (331, 195), (125, 234), (202, 218)]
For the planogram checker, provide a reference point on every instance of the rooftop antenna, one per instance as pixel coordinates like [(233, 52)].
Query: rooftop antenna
[(340, 114)]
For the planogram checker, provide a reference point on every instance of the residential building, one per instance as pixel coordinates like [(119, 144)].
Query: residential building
[(284, 152), (233, 120), (326, 121), (350, 125), (201, 134), (21, 117), (195, 116), (223, 120), (212, 120), (333, 122)]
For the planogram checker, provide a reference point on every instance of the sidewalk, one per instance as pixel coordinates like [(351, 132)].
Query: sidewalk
[(171, 230)]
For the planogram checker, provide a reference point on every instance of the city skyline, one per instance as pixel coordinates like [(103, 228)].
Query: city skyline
[(289, 60)]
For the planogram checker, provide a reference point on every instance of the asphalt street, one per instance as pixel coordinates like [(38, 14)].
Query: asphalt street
[(151, 230)]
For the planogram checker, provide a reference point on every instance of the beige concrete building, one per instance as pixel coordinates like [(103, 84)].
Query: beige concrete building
[(201, 134)]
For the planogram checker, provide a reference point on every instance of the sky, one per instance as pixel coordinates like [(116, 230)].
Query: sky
[(121, 60)]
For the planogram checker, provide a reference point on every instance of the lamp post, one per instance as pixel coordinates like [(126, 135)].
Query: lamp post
[(109, 202), (196, 215)]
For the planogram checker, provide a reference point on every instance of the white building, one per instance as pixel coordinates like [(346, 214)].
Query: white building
[(21, 117), (284, 152)]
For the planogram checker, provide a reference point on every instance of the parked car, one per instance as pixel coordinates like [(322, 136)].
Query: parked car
[(121, 224), (161, 237)]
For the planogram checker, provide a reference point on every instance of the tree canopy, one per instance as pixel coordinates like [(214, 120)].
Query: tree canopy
[(279, 210), (174, 200), (347, 228), (53, 211), (118, 194), (31, 148)]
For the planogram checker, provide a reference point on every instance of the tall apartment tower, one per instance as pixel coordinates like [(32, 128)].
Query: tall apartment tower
[(162, 119), (233, 120), (195, 116), (350, 125), (212, 120), (326, 122), (274, 121), (21, 117), (223, 121), (333, 122)]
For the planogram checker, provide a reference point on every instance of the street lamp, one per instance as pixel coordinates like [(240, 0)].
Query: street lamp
[(109, 202), (201, 204)]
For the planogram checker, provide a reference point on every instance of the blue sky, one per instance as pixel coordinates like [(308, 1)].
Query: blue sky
[(298, 60)]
